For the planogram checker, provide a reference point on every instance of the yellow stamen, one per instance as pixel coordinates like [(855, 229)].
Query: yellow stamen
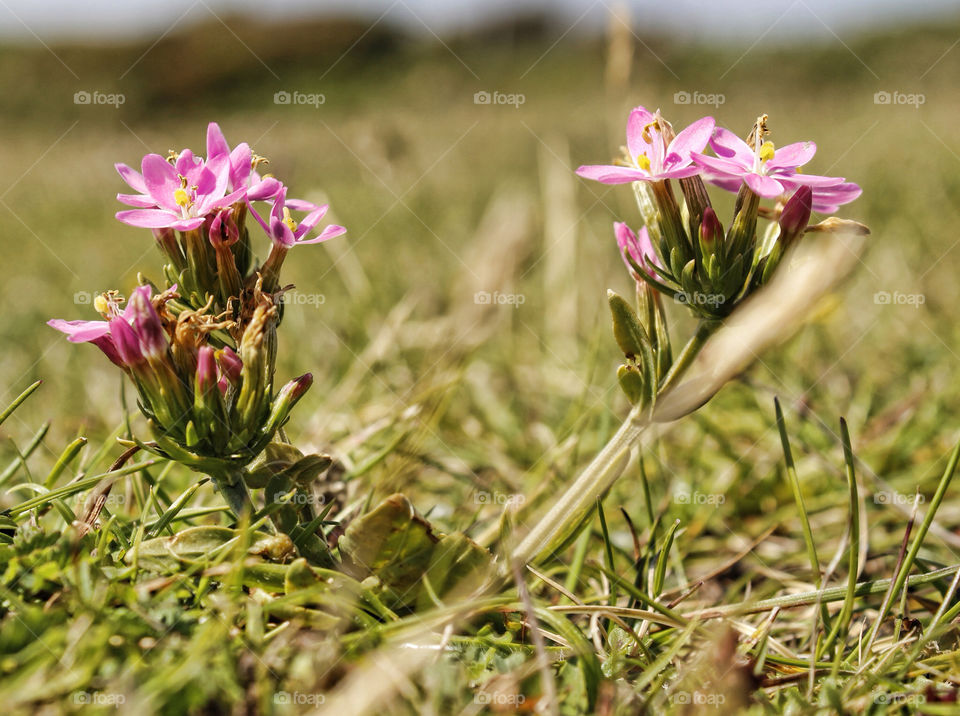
[(182, 197), (643, 162), (288, 220), (767, 151), (101, 304)]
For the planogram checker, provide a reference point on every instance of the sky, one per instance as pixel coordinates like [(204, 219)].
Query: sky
[(724, 20)]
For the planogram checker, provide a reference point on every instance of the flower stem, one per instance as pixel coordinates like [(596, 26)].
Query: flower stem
[(234, 491), (559, 523), (690, 351), (553, 528)]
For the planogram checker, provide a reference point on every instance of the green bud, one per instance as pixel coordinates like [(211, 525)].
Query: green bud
[(632, 383)]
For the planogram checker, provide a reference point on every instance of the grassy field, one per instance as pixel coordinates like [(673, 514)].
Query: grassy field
[(465, 406)]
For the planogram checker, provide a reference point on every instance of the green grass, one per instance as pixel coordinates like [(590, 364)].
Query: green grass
[(696, 589)]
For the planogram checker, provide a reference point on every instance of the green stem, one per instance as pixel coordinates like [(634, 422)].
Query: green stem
[(234, 491), (575, 504), (553, 529), (690, 351)]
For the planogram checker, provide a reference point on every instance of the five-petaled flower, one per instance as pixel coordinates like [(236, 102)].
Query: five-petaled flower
[(285, 232), (650, 156), (178, 196), (767, 171), (126, 336)]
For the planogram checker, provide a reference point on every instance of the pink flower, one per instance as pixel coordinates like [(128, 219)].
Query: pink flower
[(180, 195), (650, 157), (126, 336), (637, 245), (242, 174), (284, 231), (767, 171)]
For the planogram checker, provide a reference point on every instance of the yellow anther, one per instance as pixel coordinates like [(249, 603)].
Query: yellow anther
[(182, 197), (767, 151), (102, 305), (288, 220), (643, 162)]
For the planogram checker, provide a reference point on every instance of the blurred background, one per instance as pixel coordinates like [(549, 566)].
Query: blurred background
[(445, 137)]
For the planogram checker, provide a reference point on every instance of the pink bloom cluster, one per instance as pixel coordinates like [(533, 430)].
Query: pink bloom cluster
[(188, 191), (767, 171)]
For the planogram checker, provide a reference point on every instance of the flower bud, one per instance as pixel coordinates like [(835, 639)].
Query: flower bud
[(206, 370), (230, 365), (285, 400), (711, 231), (795, 216)]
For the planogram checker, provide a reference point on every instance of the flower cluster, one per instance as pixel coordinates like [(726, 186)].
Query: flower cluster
[(201, 352), (683, 250)]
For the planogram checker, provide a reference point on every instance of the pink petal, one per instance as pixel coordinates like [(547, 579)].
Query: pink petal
[(328, 233), (80, 331), (764, 186), (148, 218), (216, 142), (611, 174), (240, 159), (693, 138), (728, 145), (814, 180), (682, 173), (264, 189), (139, 200), (132, 177), (161, 180), (638, 119), (302, 205), (310, 220), (792, 156), (718, 166)]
